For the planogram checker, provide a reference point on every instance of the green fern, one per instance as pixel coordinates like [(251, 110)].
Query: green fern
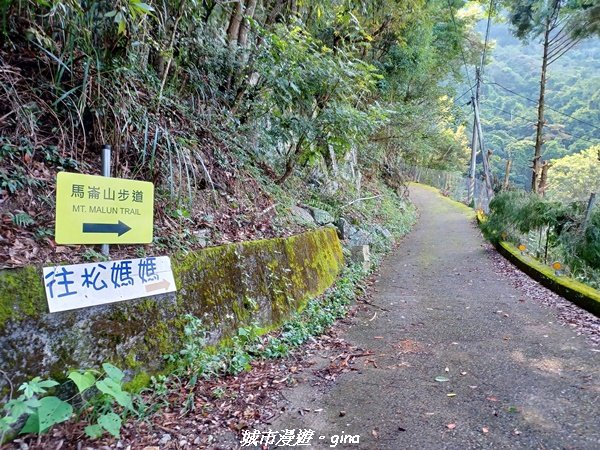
[(22, 219)]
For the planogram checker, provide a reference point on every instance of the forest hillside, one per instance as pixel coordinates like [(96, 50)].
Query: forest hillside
[(236, 111), (509, 103)]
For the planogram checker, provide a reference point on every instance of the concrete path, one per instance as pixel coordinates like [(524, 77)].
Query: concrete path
[(517, 379)]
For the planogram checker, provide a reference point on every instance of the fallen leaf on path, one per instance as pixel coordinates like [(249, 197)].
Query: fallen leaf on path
[(451, 426), (375, 434), (492, 398), (463, 373), (441, 379), (485, 430), (451, 394), (377, 337)]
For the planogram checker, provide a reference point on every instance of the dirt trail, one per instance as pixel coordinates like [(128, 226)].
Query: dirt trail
[(520, 379)]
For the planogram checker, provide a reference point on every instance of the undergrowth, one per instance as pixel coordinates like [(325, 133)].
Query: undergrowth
[(198, 360), (551, 231)]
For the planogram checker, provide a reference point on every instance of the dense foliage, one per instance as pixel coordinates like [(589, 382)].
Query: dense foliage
[(282, 80), (220, 103), (551, 230), (574, 177)]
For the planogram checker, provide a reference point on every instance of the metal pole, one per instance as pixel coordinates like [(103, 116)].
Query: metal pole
[(588, 211), (486, 167), (106, 153), (475, 138)]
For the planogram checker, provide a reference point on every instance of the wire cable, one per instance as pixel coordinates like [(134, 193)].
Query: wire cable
[(577, 138), (546, 106), (487, 37), (462, 51)]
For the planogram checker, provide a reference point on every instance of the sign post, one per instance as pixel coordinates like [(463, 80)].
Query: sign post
[(92, 209), (105, 173)]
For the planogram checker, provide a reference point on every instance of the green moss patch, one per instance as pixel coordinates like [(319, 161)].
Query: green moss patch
[(21, 295), (227, 287), (578, 293)]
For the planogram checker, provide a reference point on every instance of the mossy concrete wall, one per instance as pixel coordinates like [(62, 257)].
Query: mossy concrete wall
[(581, 294), (227, 287), (578, 293)]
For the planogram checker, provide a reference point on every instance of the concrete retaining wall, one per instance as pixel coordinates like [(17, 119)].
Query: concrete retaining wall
[(227, 287)]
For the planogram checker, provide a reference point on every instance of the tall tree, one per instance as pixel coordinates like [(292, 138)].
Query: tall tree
[(561, 24)]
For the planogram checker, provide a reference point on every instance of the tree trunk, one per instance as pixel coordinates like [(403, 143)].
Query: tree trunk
[(543, 184), (291, 161), (537, 158), (235, 20), (507, 174), (245, 25)]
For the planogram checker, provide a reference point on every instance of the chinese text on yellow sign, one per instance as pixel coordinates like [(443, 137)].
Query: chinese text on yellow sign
[(101, 210)]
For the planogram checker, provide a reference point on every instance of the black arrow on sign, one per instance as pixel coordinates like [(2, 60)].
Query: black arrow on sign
[(119, 228)]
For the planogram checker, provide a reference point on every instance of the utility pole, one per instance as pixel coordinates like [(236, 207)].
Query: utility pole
[(477, 142), (484, 156), (474, 143)]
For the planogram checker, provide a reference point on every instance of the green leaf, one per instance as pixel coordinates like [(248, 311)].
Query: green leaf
[(48, 383), (51, 411), (32, 425), (83, 381), (17, 407), (122, 25), (110, 387), (113, 372), (111, 422), (31, 388), (94, 431)]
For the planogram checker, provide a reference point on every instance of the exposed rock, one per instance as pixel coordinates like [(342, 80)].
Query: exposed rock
[(321, 217), (361, 254), (345, 228), (360, 237), (164, 439), (383, 232), (302, 215)]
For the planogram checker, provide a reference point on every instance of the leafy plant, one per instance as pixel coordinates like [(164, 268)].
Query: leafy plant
[(21, 219), (42, 413), (105, 403), (563, 235)]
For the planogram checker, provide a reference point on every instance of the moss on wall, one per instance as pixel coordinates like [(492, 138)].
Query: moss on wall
[(21, 294), (579, 293), (227, 287)]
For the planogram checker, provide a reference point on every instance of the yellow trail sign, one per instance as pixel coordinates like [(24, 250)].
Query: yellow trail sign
[(102, 210)]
